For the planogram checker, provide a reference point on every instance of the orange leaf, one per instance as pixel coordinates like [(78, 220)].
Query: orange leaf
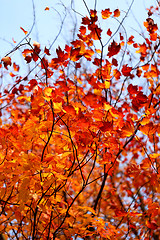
[(13, 40), (127, 129), (25, 32), (96, 33), (148, 129), (70, 109), (116, 13), (106, 13), (153, 36), (15, 67), (152, 224), (117, 74), (6, 61), (26, 52), (11, 74)]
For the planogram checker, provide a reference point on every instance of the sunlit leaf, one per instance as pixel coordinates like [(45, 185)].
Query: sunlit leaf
[(106, 13), (127, 129)]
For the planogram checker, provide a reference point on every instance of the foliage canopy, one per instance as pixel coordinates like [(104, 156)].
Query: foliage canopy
[(79, 146)]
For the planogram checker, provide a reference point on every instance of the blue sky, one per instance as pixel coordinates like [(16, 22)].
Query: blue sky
[(19, 13)]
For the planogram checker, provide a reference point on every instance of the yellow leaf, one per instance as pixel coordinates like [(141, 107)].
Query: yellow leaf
[(107, 84), (98, 50), (24, 98), (48, 91), (154, 155), (57, 107), (98, 92), (107, 106), (145, 121)]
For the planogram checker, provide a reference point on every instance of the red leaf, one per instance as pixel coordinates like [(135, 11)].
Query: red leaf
[(85, 21), (44, 63), (15, 91), (107, 126), (130, 40), (61, 55), (109, 33), (153, 36), (113, 49), (150, 25), (127, 129), (78, 65), (46, 50), (93, 14), (82, 30), (117, 74), (126, 70), (32, 83), (121, 37), (28, 59), (142, 98), (6, 61), (68, 49), (97, 61), (21, 88), (35, 57), (95, 32), (132, 89), (114, 62)]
